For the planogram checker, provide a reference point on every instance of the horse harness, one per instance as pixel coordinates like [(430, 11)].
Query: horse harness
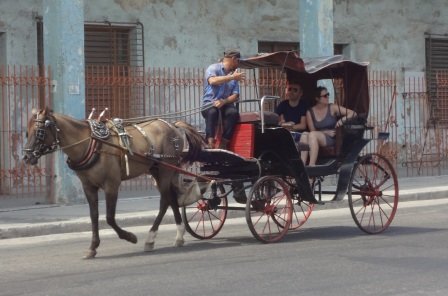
[(41, 131), (100, 133)]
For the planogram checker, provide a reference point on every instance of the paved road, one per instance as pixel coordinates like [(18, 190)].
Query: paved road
[(329, 256)]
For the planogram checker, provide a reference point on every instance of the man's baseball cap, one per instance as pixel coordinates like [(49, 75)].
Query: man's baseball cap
[(232, 53)]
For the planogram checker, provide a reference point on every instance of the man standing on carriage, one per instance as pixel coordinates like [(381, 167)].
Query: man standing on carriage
[(221, 91)]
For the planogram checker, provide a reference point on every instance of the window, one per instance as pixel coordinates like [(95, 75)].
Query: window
[(114, 62), (437, 77)]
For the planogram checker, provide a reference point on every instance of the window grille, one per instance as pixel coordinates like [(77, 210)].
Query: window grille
[(436, 72), (114, 62)]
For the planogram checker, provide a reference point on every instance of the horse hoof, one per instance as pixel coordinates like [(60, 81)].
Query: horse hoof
[(179, 243), (132, 238), (148, 247), (90, 254)]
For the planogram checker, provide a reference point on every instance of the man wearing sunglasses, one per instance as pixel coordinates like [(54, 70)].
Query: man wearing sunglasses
[(292, 110)]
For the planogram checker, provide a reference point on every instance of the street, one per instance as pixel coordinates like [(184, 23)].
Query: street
[(329, 256)]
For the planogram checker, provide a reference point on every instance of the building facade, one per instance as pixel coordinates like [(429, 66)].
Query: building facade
[(389, 34), (408, 38)]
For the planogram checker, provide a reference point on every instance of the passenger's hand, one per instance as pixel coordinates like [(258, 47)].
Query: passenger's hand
[(340, 122), (330, 133), (288, 125)]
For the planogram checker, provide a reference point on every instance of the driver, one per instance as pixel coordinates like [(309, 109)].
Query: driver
[(221, 91)]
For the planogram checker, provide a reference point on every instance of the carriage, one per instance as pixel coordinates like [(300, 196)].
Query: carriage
[(262, 159), (265, 158)]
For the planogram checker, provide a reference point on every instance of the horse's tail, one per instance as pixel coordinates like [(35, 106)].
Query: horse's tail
[(195, 141)]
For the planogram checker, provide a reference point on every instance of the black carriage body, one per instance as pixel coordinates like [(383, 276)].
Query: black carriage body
[(273, 149), (265, 156)]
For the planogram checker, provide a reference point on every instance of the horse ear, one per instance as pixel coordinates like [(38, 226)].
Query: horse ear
[(33, 111), (48, 110)]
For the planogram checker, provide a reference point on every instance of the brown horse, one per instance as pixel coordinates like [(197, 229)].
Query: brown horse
[(155, 147)]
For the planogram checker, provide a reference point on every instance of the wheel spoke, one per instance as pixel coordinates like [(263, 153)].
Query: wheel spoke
[(269, 212), (376, 185), (201, 221)]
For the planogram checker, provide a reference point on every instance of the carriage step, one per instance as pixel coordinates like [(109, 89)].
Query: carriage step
[(322, 169)]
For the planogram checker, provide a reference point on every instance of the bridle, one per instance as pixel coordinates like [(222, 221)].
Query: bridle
[(39, 146)]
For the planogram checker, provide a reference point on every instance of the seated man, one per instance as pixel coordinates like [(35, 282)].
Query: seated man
[(292, 111), (221, 91)]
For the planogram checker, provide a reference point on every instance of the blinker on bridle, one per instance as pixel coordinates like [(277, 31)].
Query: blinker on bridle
[(39, 148)]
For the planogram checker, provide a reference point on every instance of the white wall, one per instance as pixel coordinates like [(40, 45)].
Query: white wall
[(18, 23)]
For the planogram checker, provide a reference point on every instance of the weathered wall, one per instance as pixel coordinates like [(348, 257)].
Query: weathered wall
[(389, 34), (196, 32), (18, 23)]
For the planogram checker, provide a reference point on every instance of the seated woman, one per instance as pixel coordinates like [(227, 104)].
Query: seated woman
[(322, 121)]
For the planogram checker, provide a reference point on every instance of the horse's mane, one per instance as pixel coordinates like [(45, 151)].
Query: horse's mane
[(195, 140)]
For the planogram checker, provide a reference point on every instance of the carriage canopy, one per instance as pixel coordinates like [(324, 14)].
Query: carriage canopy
[(349, 78)]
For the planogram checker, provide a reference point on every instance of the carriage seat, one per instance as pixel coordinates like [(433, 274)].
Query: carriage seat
[(270, 118)]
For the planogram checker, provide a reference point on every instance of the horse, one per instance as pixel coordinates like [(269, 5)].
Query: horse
[(100, 160)]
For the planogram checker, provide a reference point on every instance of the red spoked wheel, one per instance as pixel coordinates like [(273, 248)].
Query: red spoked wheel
[(269, 209), (302, 209), (202, 219), (373, 193)]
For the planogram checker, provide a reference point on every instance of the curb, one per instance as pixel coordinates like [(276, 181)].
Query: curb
[(8, 231)]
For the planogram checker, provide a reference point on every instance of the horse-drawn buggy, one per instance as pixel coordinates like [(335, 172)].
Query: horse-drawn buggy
[(266, 159), (262, 169)]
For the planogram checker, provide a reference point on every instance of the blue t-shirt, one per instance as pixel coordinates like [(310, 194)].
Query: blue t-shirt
[(293, 114), (214, 92)]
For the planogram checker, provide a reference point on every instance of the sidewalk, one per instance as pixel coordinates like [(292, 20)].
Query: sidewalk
[(51, 219)]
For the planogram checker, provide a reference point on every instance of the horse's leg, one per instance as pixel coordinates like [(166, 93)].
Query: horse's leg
[(179, 242), (91, 193), (149, 244), (111, 205)]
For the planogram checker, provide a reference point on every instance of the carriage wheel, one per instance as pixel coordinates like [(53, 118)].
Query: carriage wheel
[(302, 209), (202, 220), (373, 193), (269, 209), (301, 212)]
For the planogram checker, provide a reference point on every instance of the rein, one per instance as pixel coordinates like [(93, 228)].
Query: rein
[(72, 145), (93, 151), (41, 148), (156, 160)]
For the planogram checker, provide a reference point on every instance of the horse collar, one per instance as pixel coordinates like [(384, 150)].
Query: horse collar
[(99, 129)]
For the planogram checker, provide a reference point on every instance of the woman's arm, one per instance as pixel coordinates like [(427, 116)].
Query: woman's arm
[(309, 121), (342, 111)]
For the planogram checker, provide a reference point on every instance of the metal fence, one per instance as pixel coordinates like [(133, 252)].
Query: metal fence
[(416, 144), (20, 88)]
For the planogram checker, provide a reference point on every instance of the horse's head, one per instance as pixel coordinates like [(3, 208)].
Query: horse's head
[(42, 134)]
